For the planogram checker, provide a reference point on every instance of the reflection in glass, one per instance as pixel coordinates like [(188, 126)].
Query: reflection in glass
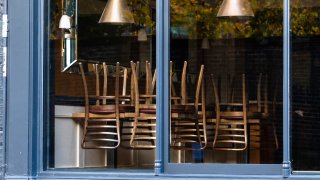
[(116, 11), (68, 26), (305, 84), (102, 105), (226, 76), (235, 8)]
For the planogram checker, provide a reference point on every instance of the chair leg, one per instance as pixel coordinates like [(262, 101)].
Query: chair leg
[(275, 136)]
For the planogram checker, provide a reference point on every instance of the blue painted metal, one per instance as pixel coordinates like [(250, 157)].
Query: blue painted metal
[(228, 169), (3, 86), (40, 96), (166, 93), (18, 89), (199, 168), (160, 86), (286, 89), (27, 93), (35, 19)]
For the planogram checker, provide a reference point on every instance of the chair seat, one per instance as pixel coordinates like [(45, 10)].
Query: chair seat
[(258, 115), (107, 109), (150, 111), (182, 108), (231, 114), (148, 108)]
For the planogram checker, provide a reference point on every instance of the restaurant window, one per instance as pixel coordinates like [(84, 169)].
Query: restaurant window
[(102, 84), (305, 87), (225, 77), (226, 82)]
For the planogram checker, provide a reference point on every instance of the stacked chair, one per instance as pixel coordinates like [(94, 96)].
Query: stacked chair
[(114, 118), (230, 122), (144, 125), (266, 118), (102, 112), (102, 126), (188, 122)]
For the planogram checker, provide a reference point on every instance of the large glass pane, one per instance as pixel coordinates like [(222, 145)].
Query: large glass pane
[(101, 84), (226, 81), (305, 84)]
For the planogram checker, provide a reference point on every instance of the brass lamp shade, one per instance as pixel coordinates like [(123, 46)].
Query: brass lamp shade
[(235, 8), (116, 11)]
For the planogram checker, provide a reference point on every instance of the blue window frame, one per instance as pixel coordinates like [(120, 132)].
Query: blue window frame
[(26, 100), (163, 52)]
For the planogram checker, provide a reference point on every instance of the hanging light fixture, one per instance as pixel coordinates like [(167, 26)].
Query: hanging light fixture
[(205, 43), (142, 35), (65, 22), (116, 11), (235, 8)]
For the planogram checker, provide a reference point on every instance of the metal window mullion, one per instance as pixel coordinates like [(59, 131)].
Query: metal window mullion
[(5, 25), (159, 88), (286, 89), (163, 95), (39, 41), (166, 76)]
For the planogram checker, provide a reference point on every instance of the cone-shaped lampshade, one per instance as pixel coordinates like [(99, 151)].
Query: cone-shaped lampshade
[(235, 8), (205, 44), (65, 22), (116, 11), (142, 35)]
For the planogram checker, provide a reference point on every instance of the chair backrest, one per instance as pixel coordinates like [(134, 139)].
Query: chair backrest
[(183, 85), (230, 88), (183, 88), (104, 132), (272, 117), (137, 73), (150, 82), (231, 126), (188, 121), (135, 87), (262, 78), (144, 125), (200, 90), (105, 75)]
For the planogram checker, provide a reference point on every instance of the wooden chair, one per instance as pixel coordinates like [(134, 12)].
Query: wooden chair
[(230, 122), (188, 120), (267, 119), (144, 126), (273, 116), (230, 88), (255, 106), (182, 98), (102, 132), (176, 99), (127, 123)]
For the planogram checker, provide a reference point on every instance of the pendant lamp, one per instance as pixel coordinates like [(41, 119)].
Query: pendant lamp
[(65, 22), (116, 11), (235, 8), (142, 35), (205, 43)]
